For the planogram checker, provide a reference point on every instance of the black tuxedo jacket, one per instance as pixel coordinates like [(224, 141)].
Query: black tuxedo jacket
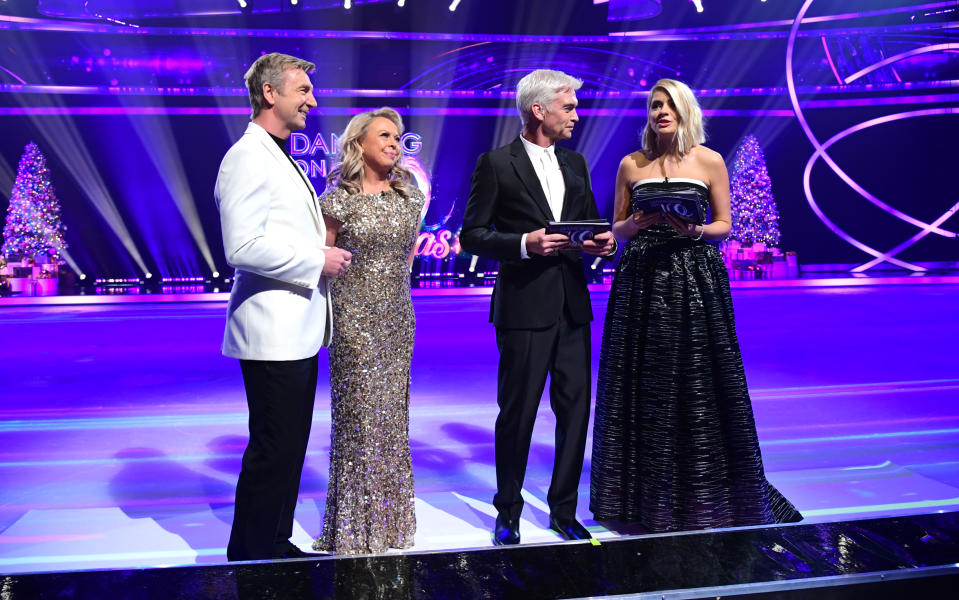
[(507, 200)]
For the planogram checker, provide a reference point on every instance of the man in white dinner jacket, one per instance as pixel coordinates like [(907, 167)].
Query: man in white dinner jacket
[(279, 315)]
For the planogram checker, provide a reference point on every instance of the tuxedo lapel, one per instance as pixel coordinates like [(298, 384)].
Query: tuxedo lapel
[(291, 170), (574, 186), (314, 203), (524, 170)]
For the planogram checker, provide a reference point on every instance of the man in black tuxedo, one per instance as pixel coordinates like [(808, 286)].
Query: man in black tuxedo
[(540, 306)]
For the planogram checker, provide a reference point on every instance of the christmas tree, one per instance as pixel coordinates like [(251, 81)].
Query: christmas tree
[(755, 218), (33, 218)]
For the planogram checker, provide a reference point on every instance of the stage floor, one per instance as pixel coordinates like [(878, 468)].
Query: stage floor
[(121, 426)]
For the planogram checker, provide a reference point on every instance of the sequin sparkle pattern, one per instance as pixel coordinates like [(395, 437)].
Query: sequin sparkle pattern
[(369, 505), (674, 439)]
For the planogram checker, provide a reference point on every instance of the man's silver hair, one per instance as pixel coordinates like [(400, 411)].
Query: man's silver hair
[(269, 68), (541, 87)]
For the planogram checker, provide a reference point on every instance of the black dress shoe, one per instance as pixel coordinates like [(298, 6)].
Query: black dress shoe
[(288, 550), (506, 532), (569, 529)]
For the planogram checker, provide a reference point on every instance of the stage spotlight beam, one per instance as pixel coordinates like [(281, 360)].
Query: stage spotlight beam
[(454, 4), (71, 149), (73, 264), (6, 180), (62, 136), (698, 4), (166, 159)]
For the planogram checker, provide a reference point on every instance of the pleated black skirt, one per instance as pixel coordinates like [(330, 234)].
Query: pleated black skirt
[(674, 443)]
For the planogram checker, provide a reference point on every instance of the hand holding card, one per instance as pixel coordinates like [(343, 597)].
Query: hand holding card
[(681, 203), (578, 231)]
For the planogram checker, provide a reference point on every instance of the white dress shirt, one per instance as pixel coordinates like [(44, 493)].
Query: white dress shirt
[(550, 178)]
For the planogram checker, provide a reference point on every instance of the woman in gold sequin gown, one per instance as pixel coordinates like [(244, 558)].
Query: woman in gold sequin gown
[(371, 209)]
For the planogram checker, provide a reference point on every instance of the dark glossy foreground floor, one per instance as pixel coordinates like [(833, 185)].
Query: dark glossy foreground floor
[(874, 558)]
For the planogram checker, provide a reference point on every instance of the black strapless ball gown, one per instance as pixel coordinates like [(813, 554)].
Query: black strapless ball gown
[(674, 441)]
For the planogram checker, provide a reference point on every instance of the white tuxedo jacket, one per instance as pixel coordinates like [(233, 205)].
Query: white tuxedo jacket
[(273, 235)]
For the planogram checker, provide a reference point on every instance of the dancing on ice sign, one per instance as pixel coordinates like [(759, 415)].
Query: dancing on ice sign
[(315, 156)]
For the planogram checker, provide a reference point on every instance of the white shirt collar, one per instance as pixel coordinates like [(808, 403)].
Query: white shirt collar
[(537, 150)]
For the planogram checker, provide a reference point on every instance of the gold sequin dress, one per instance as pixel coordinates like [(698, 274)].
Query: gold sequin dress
[(369, 504)]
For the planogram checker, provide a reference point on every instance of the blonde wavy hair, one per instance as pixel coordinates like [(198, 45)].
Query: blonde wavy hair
[(689, 130), (348, 173)]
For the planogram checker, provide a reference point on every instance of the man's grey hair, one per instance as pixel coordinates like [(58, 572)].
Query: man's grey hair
[(541, 87), (269, 68)]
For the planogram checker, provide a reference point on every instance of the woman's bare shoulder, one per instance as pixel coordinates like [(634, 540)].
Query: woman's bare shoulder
[(706, 157), (635, 161)]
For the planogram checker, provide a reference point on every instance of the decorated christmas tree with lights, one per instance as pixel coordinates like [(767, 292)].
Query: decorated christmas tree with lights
[(755, 217), (33, 219)]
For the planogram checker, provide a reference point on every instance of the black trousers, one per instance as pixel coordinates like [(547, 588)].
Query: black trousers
[(526, 357), (280, 397)]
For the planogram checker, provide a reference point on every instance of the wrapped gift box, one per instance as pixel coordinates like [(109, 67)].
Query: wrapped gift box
[(46, 286), (8, 270), (792, 265), (758, 261), (22, 286), (778, 268)]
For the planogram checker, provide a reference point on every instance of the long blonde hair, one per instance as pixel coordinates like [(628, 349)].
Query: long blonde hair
[(348, 173), (689, 130)]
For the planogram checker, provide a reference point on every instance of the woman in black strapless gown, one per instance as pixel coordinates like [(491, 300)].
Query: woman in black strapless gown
[(674, 441)]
